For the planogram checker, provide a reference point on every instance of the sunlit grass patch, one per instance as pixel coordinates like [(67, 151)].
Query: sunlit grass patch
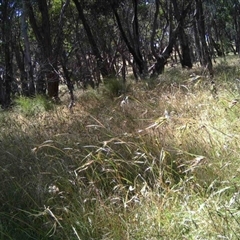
[(157, 162)]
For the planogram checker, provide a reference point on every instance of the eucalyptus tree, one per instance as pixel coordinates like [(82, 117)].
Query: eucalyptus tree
[(221, 26), (48, 32), (235, 13), (22, 49), (7, 11), (87, 40), (150, 30), (183, 36), (101, 64), (127, 19), (200, 37), (175, 13)]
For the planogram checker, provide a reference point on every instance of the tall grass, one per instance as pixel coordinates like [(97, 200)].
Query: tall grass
[(163, 165)]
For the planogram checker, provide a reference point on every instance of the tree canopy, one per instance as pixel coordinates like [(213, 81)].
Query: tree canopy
[(44, 43)]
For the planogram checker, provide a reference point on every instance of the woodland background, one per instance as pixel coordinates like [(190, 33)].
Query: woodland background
[(119, 120), (47, 43)]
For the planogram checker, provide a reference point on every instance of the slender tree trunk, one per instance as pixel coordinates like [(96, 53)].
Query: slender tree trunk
[(68, 80), (200, 24), (20, 63), (186, 60), (183, 38), (8, 72), (237, 25), (136, 39), (100, 63), (161, 59), (197, 43), (154, 29), (51, 60), (41, 87), (49, 63), (27, 56), (7, 76), (2, 92), (133, 42)]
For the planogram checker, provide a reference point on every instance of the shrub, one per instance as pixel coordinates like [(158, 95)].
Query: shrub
[(33, 106)]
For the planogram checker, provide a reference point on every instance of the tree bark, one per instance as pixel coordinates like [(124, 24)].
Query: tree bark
[(182, 36), (20, 63), (42, 32), (132, 42), (200, 25), (96, 52), (161, 59), (237, 25), (28, 72), (7, 76)]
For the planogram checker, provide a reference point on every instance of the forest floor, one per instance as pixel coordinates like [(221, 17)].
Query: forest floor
[(157, 159)]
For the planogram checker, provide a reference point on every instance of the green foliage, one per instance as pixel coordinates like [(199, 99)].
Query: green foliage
[(114, 87), (33, 106)]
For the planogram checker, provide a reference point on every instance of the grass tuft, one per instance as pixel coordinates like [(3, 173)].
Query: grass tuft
[(33, 106), (114, 87)]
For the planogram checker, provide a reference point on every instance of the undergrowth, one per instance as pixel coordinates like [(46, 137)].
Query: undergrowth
[(159, 161), (30, 107)]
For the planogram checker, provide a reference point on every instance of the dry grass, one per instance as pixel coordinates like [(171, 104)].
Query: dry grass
[(162, 163)]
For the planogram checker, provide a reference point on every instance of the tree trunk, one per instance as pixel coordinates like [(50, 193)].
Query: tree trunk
[(186, 60), (68, 79), (7, 76), (183, 37), (237, 25), (28, 73), (134, 45), (161, 59), (2, 92), (41, 87), (136, 39), (200, 24), (20, 63), (48, 65), (96, 52), (197, 43)]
